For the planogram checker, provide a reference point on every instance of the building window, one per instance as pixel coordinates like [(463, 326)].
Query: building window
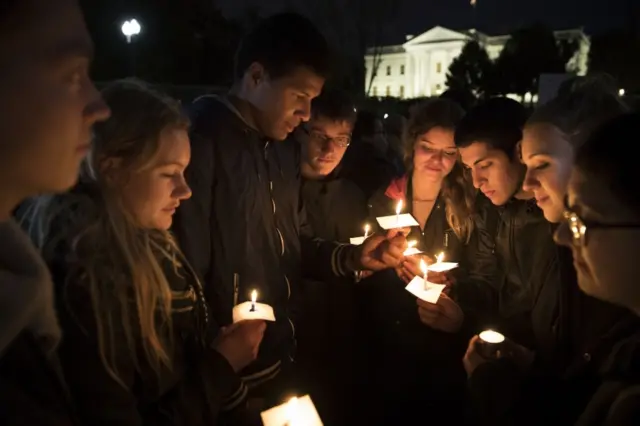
[(388, 91), (401, 91), (388, 70), (375, 91), (439, 67), (401, 69)]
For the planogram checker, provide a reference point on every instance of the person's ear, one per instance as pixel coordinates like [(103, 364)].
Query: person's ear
[(256, 74)]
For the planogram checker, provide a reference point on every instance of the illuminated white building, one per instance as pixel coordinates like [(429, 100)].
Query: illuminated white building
[(419, 67)]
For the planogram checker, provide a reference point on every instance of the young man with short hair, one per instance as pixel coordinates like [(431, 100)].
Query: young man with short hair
[(49, 105), (520, 239), (336, 211), (244, 229)]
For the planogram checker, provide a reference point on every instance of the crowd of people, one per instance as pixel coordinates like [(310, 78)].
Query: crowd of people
[(132, 225)]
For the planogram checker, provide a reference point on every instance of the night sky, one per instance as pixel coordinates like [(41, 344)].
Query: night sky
[(493, 16)]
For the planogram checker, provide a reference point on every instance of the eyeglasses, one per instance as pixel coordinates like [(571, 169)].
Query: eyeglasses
[(579, 227), (341, 141)]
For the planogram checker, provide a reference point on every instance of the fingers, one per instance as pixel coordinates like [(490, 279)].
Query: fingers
[(403, 275), (437, 277), (391, 254), (392, 233)]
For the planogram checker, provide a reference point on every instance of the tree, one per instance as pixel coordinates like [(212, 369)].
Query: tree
[(354, 27), (470, 71), (529, 52)]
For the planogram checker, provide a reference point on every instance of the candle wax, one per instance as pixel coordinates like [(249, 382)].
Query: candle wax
[(262, 311), (424, 290), (397, 221)]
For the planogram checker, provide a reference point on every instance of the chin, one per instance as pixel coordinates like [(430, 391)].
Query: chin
[(551, 215)]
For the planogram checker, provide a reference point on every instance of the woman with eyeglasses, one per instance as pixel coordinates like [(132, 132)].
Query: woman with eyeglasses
[(600, 224), (418, 340), (558, 384)]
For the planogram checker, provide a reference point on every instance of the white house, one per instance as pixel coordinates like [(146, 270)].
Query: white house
[(419, 67)]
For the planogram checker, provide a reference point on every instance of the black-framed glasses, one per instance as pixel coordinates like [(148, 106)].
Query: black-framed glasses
[(341, 141), (579, 226)]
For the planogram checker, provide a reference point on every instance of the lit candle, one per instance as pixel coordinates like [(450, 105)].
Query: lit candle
[(423, 268), (366, 231), (254, 297), (440, 258), (398, 210), (490, 343), (292, 411), (297, 411)]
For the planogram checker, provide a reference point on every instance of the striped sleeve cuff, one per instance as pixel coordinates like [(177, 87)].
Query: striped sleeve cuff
[(236, 398), (340, 260)]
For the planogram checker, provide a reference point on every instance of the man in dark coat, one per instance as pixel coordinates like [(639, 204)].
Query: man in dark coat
[(245, 228)]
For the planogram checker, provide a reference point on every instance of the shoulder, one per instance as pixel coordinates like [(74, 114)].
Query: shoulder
[(625, 409)]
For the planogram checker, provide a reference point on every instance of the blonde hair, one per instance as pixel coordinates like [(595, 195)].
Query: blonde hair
[(117, 262), (457, 191)]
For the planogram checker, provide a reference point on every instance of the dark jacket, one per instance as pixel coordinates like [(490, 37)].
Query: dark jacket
[(582, 337), (245, 228), (520, 278), (328, 334), (616, 402), (197, 387), (412, 366), (32, 388)]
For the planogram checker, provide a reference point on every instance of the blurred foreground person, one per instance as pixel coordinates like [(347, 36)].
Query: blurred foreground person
[(601, 225), (49, 105), (138, 342)]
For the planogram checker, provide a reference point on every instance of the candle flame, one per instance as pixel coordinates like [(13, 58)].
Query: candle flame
[(254, 296), (423, 268), (366, 230), (399, 207), (440, 257), (412, 243)]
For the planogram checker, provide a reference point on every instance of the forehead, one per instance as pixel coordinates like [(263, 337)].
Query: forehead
[(478, 151), (542, 138), (51, 30), (174, 146), (590, 195), (329, 126), (438, 136), (302, 79)]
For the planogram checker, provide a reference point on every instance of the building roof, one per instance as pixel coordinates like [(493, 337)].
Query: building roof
[(439, 34)]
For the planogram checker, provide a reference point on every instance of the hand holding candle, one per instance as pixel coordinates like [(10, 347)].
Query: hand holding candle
[(239, 343)]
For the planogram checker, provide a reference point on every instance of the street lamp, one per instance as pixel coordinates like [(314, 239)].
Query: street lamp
[(130, 29)]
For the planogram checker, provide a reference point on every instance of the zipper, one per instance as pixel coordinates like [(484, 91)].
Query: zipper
[(236, 288)]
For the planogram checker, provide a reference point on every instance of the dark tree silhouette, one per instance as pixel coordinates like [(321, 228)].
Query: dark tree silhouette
[(617, 53), (470, 71), (529, 52)]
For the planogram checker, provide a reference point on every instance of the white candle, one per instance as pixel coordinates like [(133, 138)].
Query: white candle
[(440, 258), (253, 310), (292, 412), (298, 411), (490, 336), (366, 231), (398, 210)]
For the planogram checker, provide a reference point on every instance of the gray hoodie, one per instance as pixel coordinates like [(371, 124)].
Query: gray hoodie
[(26, 290)]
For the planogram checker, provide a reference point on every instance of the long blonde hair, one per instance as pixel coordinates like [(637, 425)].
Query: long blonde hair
[(457, 190), (119, 264)]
